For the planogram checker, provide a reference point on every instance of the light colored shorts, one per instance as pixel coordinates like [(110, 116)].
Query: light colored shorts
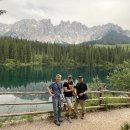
[(69, 101)]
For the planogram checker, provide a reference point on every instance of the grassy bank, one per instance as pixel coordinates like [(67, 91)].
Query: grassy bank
[(13, 63)]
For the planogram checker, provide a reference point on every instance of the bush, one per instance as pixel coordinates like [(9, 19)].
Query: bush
[(120, 77), (126, 126)]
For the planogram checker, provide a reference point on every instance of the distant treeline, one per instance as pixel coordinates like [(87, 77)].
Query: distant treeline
[(23, 51)]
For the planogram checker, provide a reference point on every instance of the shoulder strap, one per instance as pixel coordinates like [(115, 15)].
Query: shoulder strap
[(59, 87)]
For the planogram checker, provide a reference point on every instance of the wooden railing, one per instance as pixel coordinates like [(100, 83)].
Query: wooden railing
[(100, 99)]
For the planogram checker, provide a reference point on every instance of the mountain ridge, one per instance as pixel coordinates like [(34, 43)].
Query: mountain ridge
[(65, 32)]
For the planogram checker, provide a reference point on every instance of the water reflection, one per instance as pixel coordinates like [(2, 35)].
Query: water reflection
[(24, 76), (21, 108)]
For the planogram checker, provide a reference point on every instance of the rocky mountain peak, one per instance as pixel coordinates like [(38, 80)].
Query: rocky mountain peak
[(65, 32)]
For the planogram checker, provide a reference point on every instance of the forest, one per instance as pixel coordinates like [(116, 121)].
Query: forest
[(18, 51)]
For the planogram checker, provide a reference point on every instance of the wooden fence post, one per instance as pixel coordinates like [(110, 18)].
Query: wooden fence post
[(100, 95), (129, 94)]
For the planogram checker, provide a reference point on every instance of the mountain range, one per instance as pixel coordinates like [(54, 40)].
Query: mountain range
[(64, 32)]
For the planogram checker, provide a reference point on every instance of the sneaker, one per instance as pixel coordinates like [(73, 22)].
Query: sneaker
[(57, 123), (69, 119), (82, 117), (60, 120)]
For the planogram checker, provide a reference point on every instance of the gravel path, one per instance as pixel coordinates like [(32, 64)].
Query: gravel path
[(110, 120)]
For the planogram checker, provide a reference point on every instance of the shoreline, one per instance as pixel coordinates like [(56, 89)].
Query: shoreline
[(109, 65)]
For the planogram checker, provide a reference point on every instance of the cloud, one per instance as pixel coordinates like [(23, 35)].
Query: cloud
[(89, 12)]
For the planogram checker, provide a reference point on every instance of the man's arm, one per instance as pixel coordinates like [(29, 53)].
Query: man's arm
[(50, 92), (68, 90), (85, 92), (71, 87), (65, 88), (75, 90), (86, 88)]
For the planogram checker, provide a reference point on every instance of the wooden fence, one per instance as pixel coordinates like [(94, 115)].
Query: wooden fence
[(100, 98)]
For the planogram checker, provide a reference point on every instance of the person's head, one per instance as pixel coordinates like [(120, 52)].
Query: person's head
[(69, 78), (80, 79), (58, 78)]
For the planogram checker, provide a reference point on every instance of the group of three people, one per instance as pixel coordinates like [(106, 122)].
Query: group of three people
[(68, 91)]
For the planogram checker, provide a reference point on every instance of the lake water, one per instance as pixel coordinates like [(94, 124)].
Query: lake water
[(37, 78)]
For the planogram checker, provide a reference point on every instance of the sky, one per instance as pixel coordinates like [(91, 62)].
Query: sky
[(88, 12)]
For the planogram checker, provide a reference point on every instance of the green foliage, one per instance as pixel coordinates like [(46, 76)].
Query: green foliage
[(92, 103), (28, 118), (96, 83), (10, 62), (120, 100), (126, 126), (120, 77), (6, 119), (14, 51), (1, 124), (38, 59)]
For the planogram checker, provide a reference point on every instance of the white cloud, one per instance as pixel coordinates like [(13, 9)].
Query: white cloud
[(89, 12)]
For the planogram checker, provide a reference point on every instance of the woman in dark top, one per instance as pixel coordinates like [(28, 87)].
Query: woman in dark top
[(80, 92), (68, 92)]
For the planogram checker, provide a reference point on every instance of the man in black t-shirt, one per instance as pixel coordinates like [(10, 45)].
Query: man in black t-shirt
[(68, 92), (80, 92)]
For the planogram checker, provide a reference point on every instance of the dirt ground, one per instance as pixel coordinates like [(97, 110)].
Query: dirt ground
[(105, 120)]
